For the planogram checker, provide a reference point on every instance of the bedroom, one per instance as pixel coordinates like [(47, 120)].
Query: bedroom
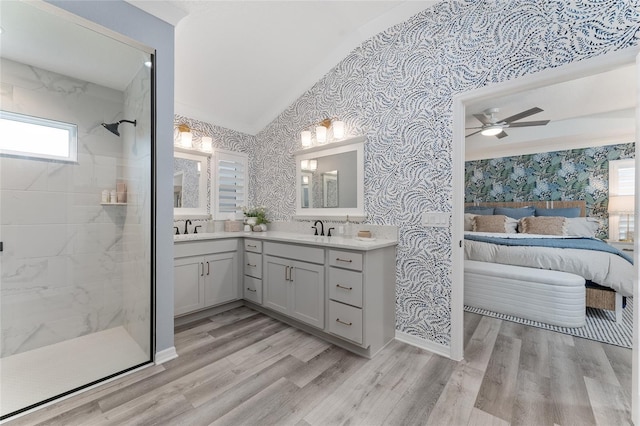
[(567, 159)]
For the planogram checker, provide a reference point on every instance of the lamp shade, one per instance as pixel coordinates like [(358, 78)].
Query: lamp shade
[(305, 138), (207, 143), (338, 129), (321, 134), (621, 204)]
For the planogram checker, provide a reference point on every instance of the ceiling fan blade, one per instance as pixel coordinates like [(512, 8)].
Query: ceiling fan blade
[(482, 118), (529, 123), (522, 115), (471, 134), (470, 128), (501, 135)]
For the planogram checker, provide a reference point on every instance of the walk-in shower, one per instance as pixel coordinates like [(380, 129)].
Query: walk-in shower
[(76, 269)]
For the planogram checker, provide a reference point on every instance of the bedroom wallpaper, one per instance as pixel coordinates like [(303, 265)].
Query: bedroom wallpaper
[(397, 89), (577, 174)]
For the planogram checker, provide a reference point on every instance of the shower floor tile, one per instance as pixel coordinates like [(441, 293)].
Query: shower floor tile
[(33, 376)]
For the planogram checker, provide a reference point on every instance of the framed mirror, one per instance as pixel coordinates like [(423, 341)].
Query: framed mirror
[(330, 179), (190, 193)]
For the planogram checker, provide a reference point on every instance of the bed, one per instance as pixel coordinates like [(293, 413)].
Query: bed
[(608, 273)]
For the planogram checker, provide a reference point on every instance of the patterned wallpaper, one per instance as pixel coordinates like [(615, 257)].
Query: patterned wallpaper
[(577, 174), (223, 138), (397, 89)]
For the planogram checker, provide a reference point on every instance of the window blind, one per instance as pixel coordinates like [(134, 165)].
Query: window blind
[(231, 189)]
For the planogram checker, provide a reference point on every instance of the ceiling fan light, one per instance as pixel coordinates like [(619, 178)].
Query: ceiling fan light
[(491, 131)]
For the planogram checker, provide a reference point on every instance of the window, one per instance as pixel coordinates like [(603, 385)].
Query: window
[(622, 175), (231, 190), (33, 137)]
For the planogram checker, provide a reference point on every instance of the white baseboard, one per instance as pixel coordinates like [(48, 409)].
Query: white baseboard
[(434, 347), (165, 355)]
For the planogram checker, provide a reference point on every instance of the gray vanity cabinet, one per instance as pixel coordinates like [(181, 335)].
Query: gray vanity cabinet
[(293, 281), (206, 274)]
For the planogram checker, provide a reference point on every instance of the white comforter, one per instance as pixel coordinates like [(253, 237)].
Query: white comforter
[(606, 269)]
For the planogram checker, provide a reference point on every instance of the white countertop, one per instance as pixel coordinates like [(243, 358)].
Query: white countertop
[(289, 237)]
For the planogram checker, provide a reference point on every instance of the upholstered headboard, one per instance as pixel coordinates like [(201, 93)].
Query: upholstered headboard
[(541, 204)]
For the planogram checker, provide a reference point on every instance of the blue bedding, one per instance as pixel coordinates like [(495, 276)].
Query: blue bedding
[(582, 243)]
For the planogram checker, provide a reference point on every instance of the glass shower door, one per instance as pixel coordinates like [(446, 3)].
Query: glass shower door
[(75, 207)]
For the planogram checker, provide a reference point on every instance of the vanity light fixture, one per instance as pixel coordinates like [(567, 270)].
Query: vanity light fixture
[(321, 128), (309, 165), (207, 143), (305, 138), (186, 137)]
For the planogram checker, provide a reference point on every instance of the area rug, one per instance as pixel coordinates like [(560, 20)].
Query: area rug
[(600, 325)]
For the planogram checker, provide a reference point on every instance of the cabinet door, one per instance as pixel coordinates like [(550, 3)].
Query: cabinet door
[(307, 293), (275, 284), (188, 294), (221, 278)]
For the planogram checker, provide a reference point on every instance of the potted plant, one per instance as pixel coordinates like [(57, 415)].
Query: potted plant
[(255, 215)]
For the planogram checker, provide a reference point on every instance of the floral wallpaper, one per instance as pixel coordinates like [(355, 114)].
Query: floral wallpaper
[(577, 174), (397, 90)]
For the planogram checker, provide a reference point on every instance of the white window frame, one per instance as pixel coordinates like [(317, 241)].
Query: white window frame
[(615, 222), (238, 157), (71, 129)]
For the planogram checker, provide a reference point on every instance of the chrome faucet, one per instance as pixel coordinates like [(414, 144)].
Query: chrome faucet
[(186, 222), (315, 226)]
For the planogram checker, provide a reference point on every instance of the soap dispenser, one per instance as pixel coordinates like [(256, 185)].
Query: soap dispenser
[(348, 232)]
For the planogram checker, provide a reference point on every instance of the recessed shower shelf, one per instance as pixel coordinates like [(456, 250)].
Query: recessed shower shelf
[(113, 204)]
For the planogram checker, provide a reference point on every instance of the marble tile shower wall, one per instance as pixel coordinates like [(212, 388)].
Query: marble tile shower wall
[(136, 236), (397, 89), (60, 265)]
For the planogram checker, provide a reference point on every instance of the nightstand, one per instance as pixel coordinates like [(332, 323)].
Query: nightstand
[(625, 246)]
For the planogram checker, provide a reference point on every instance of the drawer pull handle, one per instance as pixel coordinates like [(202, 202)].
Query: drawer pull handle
[(627, 249), (346, 288), (253, 266), (343, 260), (345, 323), (251, 290), (249, 245)]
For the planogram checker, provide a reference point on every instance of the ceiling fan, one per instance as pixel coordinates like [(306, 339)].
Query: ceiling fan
[(491, 126)]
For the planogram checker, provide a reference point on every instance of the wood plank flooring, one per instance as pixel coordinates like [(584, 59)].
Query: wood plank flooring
[(244, 368)]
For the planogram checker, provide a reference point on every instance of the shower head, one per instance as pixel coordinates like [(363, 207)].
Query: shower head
[(113, 127)]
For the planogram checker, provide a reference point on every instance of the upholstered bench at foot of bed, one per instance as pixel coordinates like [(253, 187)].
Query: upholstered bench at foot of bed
[(552, 297)]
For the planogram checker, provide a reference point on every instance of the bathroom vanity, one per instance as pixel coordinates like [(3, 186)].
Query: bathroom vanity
[(340, 289)]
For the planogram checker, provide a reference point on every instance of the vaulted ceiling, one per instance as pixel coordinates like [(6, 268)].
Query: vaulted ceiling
[(241, 63)]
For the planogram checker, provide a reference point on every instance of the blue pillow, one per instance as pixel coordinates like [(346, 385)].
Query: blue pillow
[(563, 212), (488, 211), (515, 213)]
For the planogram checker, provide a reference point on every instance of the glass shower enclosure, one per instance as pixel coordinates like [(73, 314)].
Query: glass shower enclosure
[(76, 205)]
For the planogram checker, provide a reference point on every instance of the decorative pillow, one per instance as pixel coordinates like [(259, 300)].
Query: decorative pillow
[(494, 223), (563, 212), (544, 225), (515, 212), (468, 221), (479, 210), (582, 226)]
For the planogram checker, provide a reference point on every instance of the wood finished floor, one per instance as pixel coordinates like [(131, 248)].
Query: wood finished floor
[(244, 368)]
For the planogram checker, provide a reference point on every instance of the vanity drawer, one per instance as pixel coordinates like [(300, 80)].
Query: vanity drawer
[(345, 259), (253, 265), (345, 286), (253, 246), (293, 251), (345, 321), (252, 289)]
